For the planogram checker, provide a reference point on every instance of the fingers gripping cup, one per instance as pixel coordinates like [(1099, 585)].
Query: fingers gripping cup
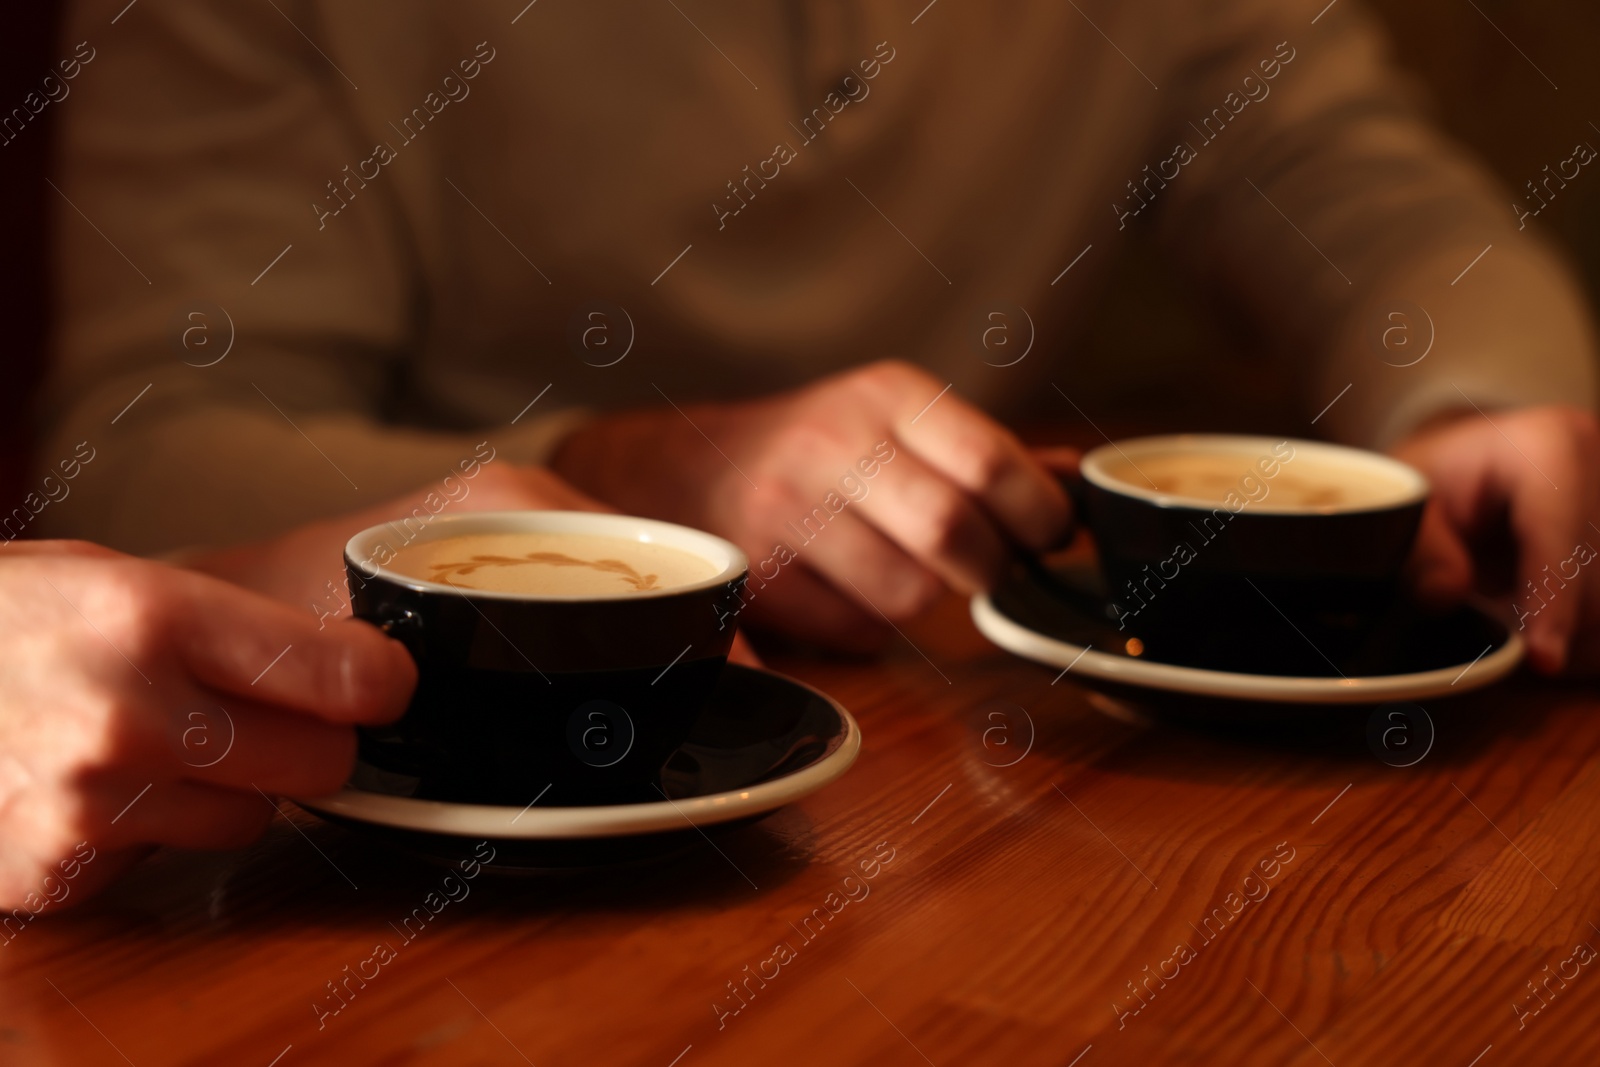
[(561, 655)]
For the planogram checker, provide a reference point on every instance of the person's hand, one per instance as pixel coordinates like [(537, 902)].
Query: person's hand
[(858, 498), (144, 705), (1515, 511)]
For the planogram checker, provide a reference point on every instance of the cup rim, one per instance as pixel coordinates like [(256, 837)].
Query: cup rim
[(1093, 469), (359, 550)]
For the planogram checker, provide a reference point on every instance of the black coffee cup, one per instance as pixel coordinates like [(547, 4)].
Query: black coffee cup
[(564, 699), (1285, 568)]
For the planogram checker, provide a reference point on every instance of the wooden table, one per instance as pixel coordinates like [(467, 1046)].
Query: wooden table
[(1020, 895)]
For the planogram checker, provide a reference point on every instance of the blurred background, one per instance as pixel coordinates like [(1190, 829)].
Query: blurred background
[(1475, 83), (27, 54), (1479, 80)]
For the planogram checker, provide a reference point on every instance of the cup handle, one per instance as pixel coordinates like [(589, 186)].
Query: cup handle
[(1077, 492), (399, 622)]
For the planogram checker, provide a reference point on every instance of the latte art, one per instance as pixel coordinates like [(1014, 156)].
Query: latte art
[(1212, 478), (551, 564), (447, 571)]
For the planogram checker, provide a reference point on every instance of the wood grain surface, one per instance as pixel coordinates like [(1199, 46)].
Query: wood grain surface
[(1007, 876)]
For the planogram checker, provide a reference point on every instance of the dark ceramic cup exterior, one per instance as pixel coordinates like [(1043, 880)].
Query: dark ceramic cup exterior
[(1251, 584), (568, 700)]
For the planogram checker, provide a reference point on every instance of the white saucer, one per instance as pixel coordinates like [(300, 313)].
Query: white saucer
[(1030, 622), (763, 741)]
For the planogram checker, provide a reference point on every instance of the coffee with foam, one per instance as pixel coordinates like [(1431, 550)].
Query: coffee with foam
[(1307, 482), (552, 564)]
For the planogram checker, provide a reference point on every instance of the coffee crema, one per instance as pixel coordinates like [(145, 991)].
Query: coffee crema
[(552, 564), (1307, 482)]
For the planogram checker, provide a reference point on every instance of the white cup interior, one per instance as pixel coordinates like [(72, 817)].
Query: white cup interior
[(373, 547)]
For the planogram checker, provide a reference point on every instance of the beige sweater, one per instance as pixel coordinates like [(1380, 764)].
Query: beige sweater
[(413, 220)]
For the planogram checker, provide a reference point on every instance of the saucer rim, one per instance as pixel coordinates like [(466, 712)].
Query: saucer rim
[(531, 823), (1018, 639)]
